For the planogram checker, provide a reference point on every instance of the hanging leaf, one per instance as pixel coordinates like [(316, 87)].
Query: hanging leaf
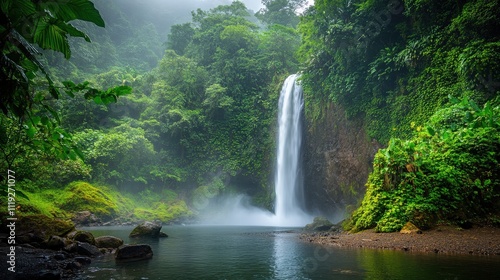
[(69, 10), (49, 36)]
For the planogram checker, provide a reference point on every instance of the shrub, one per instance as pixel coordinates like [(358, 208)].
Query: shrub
[(448, 171)]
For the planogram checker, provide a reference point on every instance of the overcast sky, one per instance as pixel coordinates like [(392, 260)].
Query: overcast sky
[(254, 5)]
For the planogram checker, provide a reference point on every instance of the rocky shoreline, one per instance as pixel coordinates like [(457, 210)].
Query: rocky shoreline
[(60, 251), (440, 240)]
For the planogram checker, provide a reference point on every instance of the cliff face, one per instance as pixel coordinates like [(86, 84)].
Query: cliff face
[(338, 157)]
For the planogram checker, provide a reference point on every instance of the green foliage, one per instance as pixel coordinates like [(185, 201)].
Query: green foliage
[(115, 155), (26, 23), (446, 172), (103, 201), (283, 12), (164, 212), (81, 196), (394, 63)]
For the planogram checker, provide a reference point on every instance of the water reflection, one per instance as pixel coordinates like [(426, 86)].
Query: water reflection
[(287, 256), (207, 252)]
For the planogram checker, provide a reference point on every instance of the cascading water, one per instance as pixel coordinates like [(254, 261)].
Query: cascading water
[(288, 178), (289, 190)]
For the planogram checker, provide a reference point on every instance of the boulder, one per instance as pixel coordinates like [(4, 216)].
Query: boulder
[(146, 229), (319, 224), (134, 252), (40, 228), (85, 218), (86, 249), (108, 242), (83, 236), (410, 228), (55, 242)]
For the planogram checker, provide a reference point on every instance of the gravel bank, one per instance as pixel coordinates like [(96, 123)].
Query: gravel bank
[(441, 240)]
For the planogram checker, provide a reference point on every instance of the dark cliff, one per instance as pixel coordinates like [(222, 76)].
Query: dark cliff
[(338, 157)]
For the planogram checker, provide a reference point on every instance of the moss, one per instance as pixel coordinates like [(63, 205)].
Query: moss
[(163, 211), (80, 196), (42, 202), (45, 225), (104, 202)]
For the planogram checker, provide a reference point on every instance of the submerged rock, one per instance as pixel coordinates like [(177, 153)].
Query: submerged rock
[(134, 252), (319, 224), (108, 242), (146, 229)]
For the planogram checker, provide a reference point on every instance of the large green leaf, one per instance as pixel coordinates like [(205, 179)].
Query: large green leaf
[(68, 10), (71, 30), (50, 36), (18, 10)]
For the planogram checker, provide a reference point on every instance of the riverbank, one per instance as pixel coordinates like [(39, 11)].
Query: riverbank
[(440, 240)]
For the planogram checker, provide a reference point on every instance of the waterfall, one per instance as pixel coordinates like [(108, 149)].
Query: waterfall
[(288, 178), (289, 190)]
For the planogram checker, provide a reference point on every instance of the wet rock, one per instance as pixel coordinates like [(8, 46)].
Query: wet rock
[(162, 234), (59, 257), (83, 236), (87, 249), (49, 275), (85, 218), (73, 265), (108, 242), (146, 229), (410, 228), (55, 243), (40, 227), (319, 224), (83, 260), (134, 252)]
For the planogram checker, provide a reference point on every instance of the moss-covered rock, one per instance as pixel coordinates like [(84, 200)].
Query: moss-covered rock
[(43, 226), (319, 224), (146, 229), (108, 242), (82, 196), (83, 236)]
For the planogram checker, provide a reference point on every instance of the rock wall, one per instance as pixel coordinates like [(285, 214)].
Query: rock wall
[(338, 157)]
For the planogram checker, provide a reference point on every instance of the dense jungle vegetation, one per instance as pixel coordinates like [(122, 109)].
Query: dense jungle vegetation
[(156, 116)]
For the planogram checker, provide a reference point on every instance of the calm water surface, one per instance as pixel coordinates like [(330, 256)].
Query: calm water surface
[(236, 252)]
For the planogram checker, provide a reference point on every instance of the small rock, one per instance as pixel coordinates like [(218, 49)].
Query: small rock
[(162, 234), (55, 243), (134, 252), (73, 265), (83, 260), (409, 228), (59, 257)]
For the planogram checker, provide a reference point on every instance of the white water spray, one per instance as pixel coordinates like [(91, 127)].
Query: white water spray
[(288, 178)]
